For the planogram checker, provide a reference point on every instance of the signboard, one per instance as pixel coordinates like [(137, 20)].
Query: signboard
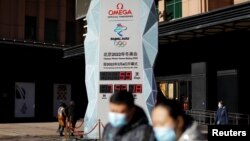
[(62, 93), (120, 49), (120, 56), (24, 99)]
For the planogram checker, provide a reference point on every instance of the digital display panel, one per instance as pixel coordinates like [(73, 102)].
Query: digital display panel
[(110, 88), (119, 87), (135, 88), (106, 88), (116, 75)]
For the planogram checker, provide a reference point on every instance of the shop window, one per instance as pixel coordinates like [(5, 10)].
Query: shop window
[(174, 9), (70, 33), (51, 30), (30, 28)]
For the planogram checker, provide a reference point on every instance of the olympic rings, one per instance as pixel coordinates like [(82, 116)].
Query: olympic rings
[(120, 43)]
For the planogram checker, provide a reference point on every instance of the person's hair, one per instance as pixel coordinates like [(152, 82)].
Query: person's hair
[(72, 102), (172, 106), (175, 110), (221, 102), (122, 97), (63, 105)]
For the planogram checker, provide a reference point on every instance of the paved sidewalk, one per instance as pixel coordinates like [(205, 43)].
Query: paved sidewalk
[(39, 132), (30, 132)]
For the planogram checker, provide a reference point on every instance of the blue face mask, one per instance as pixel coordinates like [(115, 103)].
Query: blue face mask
[(164, 134), (117, 119)]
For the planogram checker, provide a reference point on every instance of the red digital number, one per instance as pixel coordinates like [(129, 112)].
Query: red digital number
[(135, 88), (138, 88), (122, 75), (128, 75), (125, 75), (110, 88), (106, 88), (120, 87)]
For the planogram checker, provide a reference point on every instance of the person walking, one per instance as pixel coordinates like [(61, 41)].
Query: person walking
[(221, 114), (127, 121), (72, 116), (170, 123), (61, 114)]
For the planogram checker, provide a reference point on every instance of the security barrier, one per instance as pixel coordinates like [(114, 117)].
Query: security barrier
[(70, 130), (207, 117)]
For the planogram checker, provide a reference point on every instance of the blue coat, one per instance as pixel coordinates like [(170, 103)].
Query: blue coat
[(221, 116)]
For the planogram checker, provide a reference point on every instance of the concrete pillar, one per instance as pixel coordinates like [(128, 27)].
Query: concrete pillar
[(193, 7), (41, 20), (239, 1), (199, 83), (13, 20), (161, 8), (5, 24), (227, 89), (62, 22), (79, 31), (20, 19)]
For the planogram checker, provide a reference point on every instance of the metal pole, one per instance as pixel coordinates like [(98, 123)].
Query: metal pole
[(199, 119), (248, 119), (99, 126), (210, 119), (237, 122)]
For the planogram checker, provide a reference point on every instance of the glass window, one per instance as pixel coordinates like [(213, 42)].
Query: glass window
[(174, 9), (30, 28), (171, 90), (51, 29), (70, 33)]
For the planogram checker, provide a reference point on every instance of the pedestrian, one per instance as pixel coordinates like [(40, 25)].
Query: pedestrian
[(72, 119), (127, 121), (221, 114), (61, 114), (170, 123)]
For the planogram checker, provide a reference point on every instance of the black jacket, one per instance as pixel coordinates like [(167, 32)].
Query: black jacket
[(221, 116), (138, 129)]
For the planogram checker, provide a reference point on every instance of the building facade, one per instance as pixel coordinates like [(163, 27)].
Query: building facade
[(202, 53), (33, 36), (198, 44), (49, 21), (174, 9), (200, 40)]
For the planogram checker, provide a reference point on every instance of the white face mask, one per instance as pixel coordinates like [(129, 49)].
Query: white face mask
[(164, 134), (220, 105), (117, 119)]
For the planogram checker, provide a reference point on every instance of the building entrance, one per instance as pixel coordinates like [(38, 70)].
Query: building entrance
[(178, 89)]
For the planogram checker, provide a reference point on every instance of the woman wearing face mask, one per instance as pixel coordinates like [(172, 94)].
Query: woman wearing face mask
[(171, 124), (221, 114)]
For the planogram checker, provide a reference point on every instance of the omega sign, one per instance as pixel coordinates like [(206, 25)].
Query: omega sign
[(120, 12)]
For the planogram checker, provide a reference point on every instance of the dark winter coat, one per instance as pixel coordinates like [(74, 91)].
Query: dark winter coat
[(138, 129)]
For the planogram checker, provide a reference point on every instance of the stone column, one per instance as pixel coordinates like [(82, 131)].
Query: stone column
[(62, 22), (41, 20)]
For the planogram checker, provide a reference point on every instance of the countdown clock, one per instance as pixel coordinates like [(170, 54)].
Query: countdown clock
[(109, 88), (116, 75)]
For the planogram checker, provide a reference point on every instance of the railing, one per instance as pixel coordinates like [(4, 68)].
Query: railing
[(82, 134), (207, 117)]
